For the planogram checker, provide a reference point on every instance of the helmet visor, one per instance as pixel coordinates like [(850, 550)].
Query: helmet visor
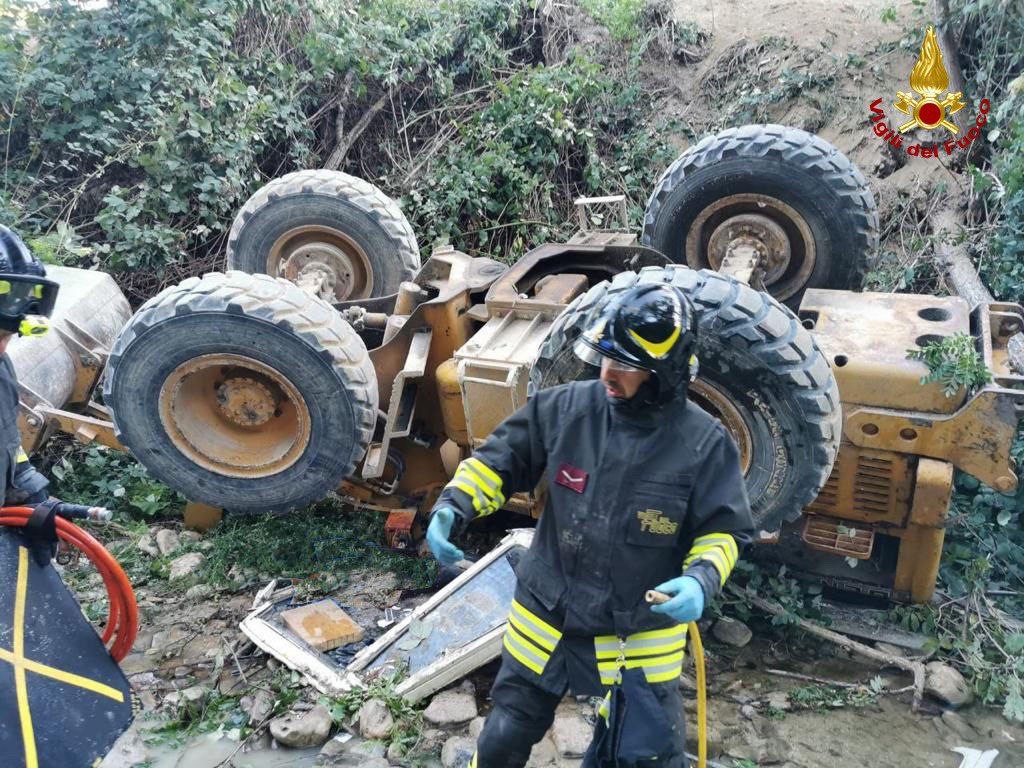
[(591, 356), (22, 295)]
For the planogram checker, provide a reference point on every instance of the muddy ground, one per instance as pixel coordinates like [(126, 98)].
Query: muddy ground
[(815, 64)]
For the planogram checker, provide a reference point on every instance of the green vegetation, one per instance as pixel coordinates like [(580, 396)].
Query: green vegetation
[(822, 697), (133, 134), (953, 362), (408, 717)]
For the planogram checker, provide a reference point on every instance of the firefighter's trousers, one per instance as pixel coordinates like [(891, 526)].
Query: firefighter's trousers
[(523, 712)]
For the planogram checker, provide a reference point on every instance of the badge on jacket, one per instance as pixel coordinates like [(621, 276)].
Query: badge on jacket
[(571, 477), (654, 521)]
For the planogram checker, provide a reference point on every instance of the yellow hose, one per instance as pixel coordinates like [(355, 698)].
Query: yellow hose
[(702, 695), (653, 597)]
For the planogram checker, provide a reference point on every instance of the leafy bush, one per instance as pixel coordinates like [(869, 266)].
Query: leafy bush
[(953, 362), (98, 475), (136, 130)]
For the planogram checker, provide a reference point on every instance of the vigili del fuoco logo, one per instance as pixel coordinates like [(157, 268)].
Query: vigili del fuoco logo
[(926, 107)]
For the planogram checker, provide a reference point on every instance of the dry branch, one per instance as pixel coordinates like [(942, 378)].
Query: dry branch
[(916, 668)]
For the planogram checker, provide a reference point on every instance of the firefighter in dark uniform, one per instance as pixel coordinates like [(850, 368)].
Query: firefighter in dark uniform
[(645, 491), (26, 299)]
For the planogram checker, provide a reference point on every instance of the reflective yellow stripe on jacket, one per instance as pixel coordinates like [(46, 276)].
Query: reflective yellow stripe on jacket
[(481, 483), (659, 653), (529, 638), (719, 549)]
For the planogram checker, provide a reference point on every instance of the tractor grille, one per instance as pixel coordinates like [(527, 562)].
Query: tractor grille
[(865, 486), (872, 487)]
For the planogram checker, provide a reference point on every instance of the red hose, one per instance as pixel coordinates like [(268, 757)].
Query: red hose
[(123, 616)]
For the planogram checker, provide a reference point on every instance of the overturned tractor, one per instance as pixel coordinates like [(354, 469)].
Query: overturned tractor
[(327, 359)]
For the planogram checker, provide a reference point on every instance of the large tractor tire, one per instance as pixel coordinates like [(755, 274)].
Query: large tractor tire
[(804, 204), (242, 391), (325, 229), (760, 373)]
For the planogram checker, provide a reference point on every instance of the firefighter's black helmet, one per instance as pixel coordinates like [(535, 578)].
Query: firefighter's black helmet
[(25, 293), (652, 328)]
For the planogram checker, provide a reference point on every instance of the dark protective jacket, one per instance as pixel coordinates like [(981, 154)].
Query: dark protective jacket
[(634, 498), (20, 483)]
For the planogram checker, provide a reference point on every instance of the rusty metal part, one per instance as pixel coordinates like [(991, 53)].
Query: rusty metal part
[(516, 289), (786, 238), (865, 337), (246, 401), (398, 528), (922, 539), (750, 247), (838, 537), (213, 415), (976, 439), (202, 517), (324, 261), (718, 404), (452, 408), (866, 486)]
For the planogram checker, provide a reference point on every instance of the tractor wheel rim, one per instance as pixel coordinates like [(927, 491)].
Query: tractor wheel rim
[(720, 405), (234, 415), (787, 238), (327, 250)]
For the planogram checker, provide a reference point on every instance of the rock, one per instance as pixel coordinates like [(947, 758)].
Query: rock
[(431, 741), (956, 723), (395, 752), (375, 721), (457, 752), (476, 726), (146, 545), (137, 663), (571, 735), (307, 730), (129, 750), (732, 632), (779, 701), (351, 754), (190, 536), (191, 701), (946, 684), (450, 708), (167, 541), (258, 706), (199, 592), (186, 565)]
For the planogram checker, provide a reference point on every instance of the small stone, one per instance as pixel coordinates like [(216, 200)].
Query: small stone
[(146, 545), (450, 708), (375, 721), (476, 726), (186, 565), (431, 741), (190, 536), (748, 711), (947, 684), (199, 592), (167, 541), (395, 752), (258, 706), (956, 723), (191, 700), (732, 632), (307, 730), (779, 701), (571, 735), (457, 752)]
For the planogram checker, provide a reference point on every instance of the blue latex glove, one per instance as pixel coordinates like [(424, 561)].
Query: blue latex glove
[(688, 603), (437, 537)]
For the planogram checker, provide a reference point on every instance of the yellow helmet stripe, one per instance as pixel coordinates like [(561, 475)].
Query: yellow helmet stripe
[(658, 349)]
